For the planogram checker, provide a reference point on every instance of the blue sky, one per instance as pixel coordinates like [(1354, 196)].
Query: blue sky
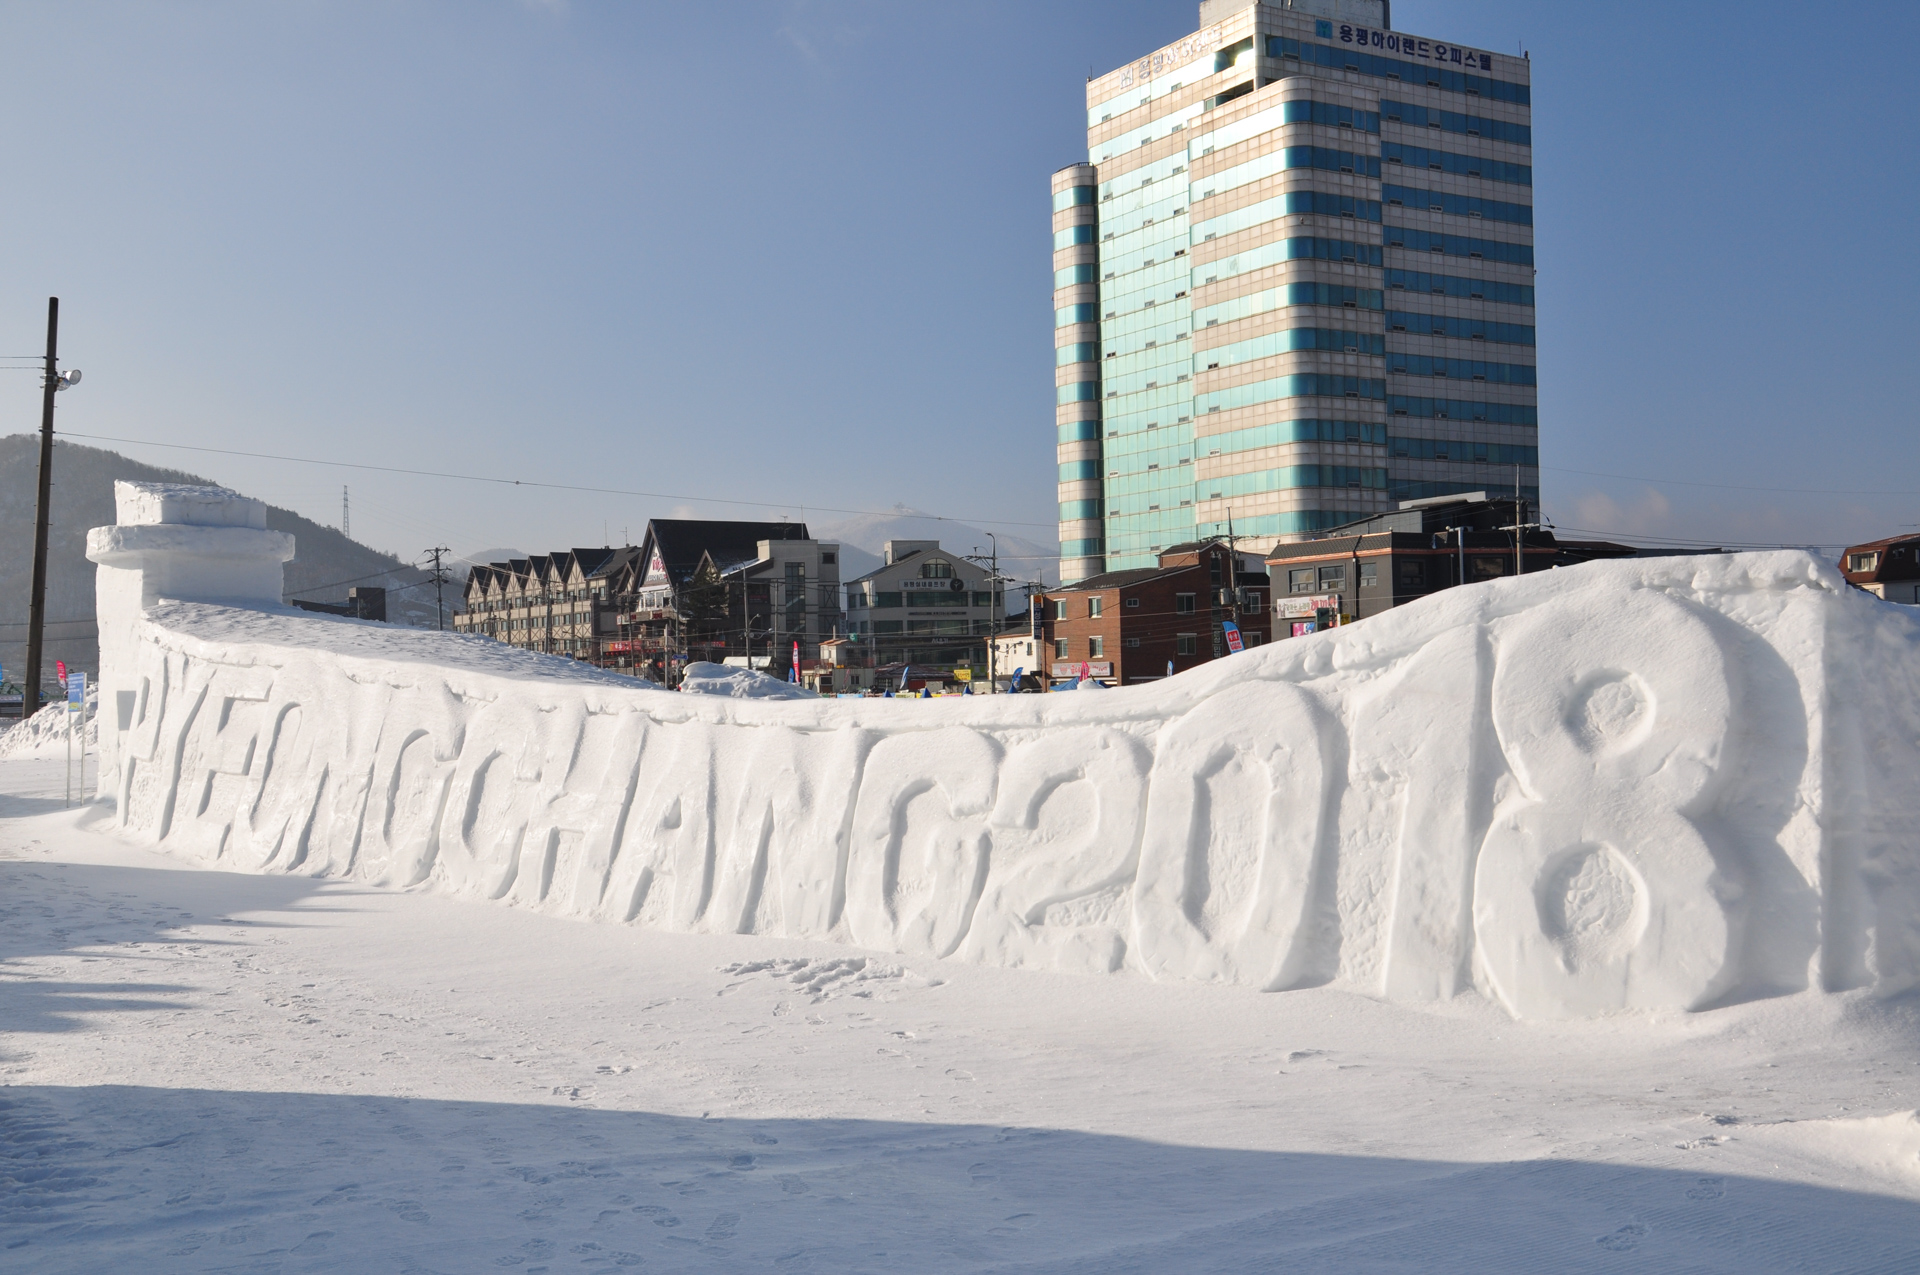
[(796, 254)]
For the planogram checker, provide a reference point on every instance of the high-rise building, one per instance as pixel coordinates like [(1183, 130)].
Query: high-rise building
[(1293, 284)]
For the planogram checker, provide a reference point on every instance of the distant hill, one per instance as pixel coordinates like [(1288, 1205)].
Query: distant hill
[(862, 536), (325, 565)]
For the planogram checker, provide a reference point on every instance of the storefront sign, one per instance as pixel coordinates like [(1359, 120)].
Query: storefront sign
[(1084, 668), (1298, 608)]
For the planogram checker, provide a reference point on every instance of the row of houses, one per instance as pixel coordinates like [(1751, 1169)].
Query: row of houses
[(691, 590), (750, 593), (766, 595)]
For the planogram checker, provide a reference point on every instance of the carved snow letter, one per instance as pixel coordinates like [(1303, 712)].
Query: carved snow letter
[(1236, 818), (919, 854), (1594, 889), (1066, 845)]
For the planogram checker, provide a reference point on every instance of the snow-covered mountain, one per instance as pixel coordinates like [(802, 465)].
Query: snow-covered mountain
[(862, 536)]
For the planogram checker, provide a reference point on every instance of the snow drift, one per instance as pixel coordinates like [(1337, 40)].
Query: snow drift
[(1662, 784), (702, 678), (52, 733)]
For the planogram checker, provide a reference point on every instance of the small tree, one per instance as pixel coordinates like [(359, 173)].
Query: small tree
[(706, 609)]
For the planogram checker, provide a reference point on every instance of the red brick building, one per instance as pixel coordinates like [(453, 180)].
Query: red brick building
[(1127, 627)]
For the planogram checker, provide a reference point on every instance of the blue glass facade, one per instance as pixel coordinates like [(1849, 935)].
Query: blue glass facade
[(1236, 268)]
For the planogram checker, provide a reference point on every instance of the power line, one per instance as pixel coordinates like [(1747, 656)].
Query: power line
[(1686, 542), (334, 584), (528, 482), (1678, 482)]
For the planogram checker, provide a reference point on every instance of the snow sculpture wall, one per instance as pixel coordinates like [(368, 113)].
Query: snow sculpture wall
[(1642, 785)]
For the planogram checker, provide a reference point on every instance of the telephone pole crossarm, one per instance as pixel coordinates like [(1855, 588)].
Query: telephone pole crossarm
[(439, 579)]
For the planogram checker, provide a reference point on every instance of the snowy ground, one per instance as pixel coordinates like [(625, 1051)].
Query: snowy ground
[(209, 1071)]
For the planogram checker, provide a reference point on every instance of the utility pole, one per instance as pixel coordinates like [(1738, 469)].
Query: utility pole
[(439, 576), (1233, 566), (346, 523), (37, 601), (1520, 528), (994, 601)]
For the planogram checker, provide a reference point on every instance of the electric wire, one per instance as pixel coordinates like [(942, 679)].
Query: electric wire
[(1682, 482), (530, 482), (656, 495)]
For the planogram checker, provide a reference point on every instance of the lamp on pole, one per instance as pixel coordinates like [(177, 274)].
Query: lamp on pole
[(993, 594), (53, 382)]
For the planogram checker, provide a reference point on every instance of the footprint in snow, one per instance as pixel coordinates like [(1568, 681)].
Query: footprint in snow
[(314, 1243), (1623, 1239)]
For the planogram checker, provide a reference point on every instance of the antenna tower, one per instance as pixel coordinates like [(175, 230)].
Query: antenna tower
[(346, 524)]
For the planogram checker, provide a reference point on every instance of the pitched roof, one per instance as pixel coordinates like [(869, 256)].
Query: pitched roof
[(1117, 579), (1888, 568), (681, 542), (1887, 543)]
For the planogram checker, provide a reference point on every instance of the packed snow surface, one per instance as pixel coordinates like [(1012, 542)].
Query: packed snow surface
[(1663, 784), (229, 1044), (208, 1070)]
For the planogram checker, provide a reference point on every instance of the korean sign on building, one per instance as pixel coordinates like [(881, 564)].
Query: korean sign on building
[(1304, 608), (1168, 58), (1409, 47)]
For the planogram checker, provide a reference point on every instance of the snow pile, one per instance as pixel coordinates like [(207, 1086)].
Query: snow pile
[(1661, 784), (46, 734), (702, 678)]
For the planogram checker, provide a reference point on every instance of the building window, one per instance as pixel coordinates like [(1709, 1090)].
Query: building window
[(1183, 604), (1251, 637), (1184, 644), (1096, 647), (1488, 568), (1060, 648), (1864, 562), (1413, 573), (1059, 608), (1333, 578), (827, 559), (936, 569), (1133, 642), (1093, 608), (1256, 602), (1300, 580), (1133, 602), (1369, 574)]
